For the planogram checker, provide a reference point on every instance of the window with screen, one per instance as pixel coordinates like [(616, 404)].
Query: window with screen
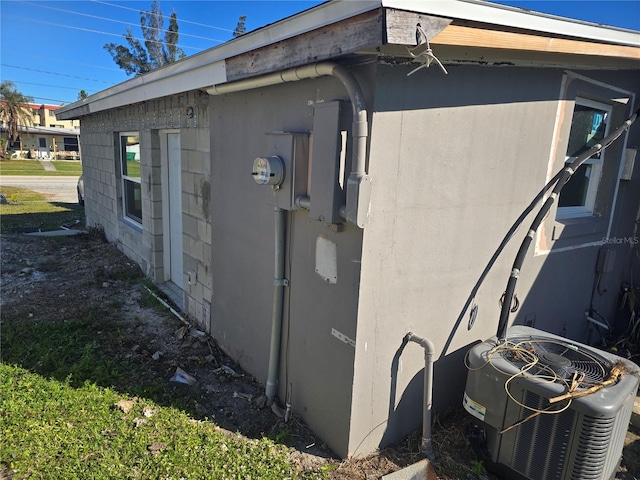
[(589, 125), (130, 176)]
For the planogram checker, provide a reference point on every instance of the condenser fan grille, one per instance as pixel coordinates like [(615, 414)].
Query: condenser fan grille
[(548, 358)]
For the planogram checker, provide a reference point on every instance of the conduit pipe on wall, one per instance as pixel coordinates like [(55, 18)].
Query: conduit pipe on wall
[(429, 352), (356, 209), (359, 183), (279, 282)]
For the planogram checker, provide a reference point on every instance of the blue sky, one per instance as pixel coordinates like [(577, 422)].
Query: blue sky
[(53, 49)]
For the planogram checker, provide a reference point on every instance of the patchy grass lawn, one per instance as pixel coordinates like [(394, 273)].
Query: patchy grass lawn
[(31, 211), (52, 429), (69, 167), (80, 397), (34, 167)]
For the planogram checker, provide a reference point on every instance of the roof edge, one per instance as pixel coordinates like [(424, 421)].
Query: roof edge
[(298, 24), (515, 17), (209, 67)]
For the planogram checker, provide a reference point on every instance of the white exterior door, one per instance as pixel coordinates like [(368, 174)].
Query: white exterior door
[(174, 198)]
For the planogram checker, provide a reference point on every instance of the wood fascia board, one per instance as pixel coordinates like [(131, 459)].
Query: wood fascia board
[(400, 26), (362, 32), (470, 37)]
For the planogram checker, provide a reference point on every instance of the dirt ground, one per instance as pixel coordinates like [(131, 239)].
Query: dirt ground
[(54, 279)]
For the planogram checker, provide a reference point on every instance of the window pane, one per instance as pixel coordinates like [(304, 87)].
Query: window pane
[(130, 145), (587, 128), (133, 200), (574, 193), (71, 144)]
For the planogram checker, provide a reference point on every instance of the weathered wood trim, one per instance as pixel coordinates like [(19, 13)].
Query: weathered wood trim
[(361, 32), (456, 35), (400, 26)]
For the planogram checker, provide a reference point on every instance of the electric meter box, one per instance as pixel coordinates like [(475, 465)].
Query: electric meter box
[(293, 150)]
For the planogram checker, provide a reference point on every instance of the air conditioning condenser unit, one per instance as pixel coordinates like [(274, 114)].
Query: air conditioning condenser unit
[(508, 389)]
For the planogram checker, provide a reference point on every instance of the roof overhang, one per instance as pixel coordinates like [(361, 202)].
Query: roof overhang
[(56, 131), (381, 27)]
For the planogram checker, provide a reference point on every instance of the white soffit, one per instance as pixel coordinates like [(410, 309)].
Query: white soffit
[(492, 13)]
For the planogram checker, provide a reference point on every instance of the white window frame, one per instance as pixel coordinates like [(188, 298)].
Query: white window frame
[(596, 169), (124, 178)]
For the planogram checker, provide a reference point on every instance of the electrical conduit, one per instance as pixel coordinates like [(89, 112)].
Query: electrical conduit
[(279, 282), (563, 178), (356, 209)]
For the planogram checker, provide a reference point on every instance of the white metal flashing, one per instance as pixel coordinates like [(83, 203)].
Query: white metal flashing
[(208, 68), (58, 131), (495, 14)]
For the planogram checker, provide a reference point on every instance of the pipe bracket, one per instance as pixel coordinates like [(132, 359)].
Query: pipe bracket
[(280, 282)]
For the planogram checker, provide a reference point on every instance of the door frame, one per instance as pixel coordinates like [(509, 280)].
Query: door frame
[(166, 224)]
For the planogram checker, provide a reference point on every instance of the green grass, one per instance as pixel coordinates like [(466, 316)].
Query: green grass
[(58, 390), (34, 167), (52, 429), (67, 351), (70, 167), (21, 167), (28, 210), (133, 168)]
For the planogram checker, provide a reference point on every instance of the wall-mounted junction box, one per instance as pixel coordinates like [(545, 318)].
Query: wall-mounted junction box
[(328, 161)]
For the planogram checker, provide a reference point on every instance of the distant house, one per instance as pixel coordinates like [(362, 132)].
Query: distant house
[(45, 116), (47, 142), (310, 194), (46, 136)]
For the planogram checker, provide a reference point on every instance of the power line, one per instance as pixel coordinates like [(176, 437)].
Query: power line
[(53, 100), (119, 21), (58, 60), (181, 20), (46, 85), (92, 31), (54, 73)]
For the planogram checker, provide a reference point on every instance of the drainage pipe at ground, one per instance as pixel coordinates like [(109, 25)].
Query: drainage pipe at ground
[(279, 282), (429, 352)]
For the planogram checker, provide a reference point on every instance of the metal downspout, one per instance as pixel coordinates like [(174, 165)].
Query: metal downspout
[(279, 282), (429, 352)]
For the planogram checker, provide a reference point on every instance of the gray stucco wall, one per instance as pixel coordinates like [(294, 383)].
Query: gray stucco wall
[(454, 159), (316, 367)]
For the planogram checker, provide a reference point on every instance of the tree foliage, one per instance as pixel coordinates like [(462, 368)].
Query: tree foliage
[(241, 27), (160, 46), (82, 94), (15, 112)]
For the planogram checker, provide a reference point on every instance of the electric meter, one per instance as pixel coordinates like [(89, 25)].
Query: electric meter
[(268, 171)]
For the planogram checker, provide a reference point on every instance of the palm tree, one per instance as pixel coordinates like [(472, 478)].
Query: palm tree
[(14, 113)]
